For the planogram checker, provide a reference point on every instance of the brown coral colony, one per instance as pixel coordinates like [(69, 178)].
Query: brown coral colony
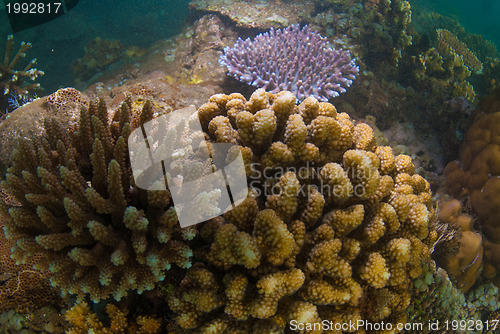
[(332, 221), (345, 222)]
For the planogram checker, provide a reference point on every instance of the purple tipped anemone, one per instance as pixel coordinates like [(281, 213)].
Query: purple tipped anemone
[(296, 59)]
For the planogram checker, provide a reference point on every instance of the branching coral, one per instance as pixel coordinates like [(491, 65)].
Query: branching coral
[(16, 82), (82, 320), (336, 228), (446, 40), (97, 233), (444, 69), (296, 59)]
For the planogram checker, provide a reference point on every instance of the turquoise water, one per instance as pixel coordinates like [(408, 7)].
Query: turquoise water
[(415, 91), (57, 43), (480, 17)]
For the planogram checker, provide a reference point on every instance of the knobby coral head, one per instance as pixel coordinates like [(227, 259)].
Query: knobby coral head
[(296, 59)]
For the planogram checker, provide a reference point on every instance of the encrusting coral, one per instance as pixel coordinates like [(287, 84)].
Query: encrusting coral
[(335, 227), (23, 288), (79, 209)]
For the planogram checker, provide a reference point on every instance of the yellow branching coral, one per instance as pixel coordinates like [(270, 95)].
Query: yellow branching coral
[(97, 233), (231, 246), (375, 271), (83, 320), (345, 220), (403, 164), (447, 40), (384, 153), (272, 288), (284, 198), (362, 169), (335, 228), (339, 187), (364, 137)]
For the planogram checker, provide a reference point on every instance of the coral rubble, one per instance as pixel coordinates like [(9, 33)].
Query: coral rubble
[(296, 59), (336, 229)]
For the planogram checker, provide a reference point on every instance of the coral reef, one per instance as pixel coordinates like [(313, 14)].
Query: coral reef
[(442, 71), (381, 26), (443, 67), (336, 229), (476, 176), (460, 248), (82, 320), (296, 59), (446, 40), (95, 231), (16, 82), (484, 83), (99, 55), (258, 14)]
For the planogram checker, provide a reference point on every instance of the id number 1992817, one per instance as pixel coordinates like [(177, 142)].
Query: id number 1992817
[(33, 7)]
